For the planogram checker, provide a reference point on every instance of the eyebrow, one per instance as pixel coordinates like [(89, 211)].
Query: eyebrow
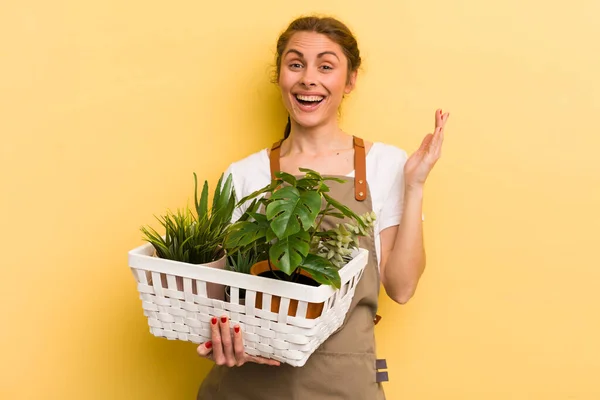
[(318, 55)]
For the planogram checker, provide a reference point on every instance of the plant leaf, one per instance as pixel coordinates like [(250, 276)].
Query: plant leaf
[(270, 234), (258, 217), (322, 270), (343, 209), (202, 205), (332, 178), (292, 210), (288, 253), (216, 194), (310, 173), (308, 183), (222, 195), (269, 188), (284, 176), (243, 233)]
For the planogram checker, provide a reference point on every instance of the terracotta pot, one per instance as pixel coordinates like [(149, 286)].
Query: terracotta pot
[(314, 309)]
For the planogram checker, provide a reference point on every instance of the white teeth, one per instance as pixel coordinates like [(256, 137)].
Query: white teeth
[(309, 98)]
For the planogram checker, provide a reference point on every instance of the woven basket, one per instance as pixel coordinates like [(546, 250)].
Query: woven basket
[(186, 314)]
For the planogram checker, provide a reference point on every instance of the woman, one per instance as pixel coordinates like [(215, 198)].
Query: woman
[(317, 64)]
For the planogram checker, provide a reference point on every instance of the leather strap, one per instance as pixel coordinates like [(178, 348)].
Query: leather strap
[(360, 166), (360, 170)]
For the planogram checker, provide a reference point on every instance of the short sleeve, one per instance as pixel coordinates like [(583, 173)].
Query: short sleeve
[(248, 175), (391, 211)]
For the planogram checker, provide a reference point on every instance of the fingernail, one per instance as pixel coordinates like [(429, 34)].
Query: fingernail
[(237, 329), (214, 321), (208, 345), (223, 319)]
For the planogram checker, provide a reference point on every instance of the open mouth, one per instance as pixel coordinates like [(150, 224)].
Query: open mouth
[(309, 101)]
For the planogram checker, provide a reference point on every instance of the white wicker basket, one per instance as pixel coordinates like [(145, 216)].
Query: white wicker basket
[(184, 312)]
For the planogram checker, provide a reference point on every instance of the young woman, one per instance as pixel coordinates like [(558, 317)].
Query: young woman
[(317, 64)]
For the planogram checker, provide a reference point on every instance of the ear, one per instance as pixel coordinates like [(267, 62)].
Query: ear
[(351, 82)]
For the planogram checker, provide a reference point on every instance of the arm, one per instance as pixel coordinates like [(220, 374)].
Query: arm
[(402, 250)]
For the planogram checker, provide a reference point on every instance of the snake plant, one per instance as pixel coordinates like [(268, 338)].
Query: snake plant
[(197, 236)]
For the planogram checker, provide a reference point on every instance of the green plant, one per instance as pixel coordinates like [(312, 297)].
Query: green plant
[(196, 238), (242, 261), (337, 244), (286, 222)]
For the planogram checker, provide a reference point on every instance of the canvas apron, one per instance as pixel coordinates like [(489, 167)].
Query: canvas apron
[(344, 366)]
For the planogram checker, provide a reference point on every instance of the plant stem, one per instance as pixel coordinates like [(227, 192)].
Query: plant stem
[(323, 213)]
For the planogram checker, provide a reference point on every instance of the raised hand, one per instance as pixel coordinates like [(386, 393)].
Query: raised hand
[(421, 162), (226, 348)]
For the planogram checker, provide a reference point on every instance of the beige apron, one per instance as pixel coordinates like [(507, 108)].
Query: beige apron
[(344, 366)]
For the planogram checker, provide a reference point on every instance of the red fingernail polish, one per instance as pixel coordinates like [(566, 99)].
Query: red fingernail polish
[(223, 319), (237, 329), (214, 321), (208, 345)]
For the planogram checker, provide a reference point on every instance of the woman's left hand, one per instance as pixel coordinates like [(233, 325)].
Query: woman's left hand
[(421, 162)]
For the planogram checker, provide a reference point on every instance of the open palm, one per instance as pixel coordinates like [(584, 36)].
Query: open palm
[(421, 162)]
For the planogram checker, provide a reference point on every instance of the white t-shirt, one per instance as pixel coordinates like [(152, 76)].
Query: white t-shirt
[(385, 177)]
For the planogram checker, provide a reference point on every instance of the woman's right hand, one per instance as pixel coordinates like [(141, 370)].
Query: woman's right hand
[(228, 349)]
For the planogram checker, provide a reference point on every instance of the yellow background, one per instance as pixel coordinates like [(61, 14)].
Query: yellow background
[(106, 109)]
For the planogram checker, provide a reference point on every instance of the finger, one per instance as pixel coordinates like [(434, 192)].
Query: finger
[(436, 145), (227, 342), (441, 118), (426, 142), (205, 350), (445, 117), (438, 117), (217, 343), (435, 140), (435, 137), (439, 147), (264, 361), (238, 346)]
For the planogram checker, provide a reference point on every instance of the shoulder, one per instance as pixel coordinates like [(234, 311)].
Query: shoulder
[(249, 165), (382, 155), (250, 173)]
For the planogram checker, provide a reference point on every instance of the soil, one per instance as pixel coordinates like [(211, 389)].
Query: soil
[(303, 280)]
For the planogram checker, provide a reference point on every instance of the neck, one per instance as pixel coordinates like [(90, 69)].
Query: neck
[(316, 140)]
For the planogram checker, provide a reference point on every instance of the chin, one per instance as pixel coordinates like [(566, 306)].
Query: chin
[(309, 122)]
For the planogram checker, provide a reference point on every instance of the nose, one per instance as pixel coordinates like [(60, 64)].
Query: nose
[(308, 78)]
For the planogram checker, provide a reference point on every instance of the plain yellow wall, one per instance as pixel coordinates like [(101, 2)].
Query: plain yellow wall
[(106, 109)]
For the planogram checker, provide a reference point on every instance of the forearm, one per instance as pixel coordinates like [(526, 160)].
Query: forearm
[(406, 260)]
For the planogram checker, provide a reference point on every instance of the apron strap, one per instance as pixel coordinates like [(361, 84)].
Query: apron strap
[(360, 170), (360, 166)]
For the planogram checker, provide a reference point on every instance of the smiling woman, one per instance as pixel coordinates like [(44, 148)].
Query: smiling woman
[(315, 50), (317, 64)]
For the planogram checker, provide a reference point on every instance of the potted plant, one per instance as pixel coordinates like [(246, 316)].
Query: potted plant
[(284, 221), (197, 238), (241, 262)]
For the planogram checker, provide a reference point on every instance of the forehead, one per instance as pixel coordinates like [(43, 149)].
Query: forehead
[(312, 43)]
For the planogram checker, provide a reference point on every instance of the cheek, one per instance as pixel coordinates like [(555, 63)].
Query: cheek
[(337, 87), (286, 79)]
